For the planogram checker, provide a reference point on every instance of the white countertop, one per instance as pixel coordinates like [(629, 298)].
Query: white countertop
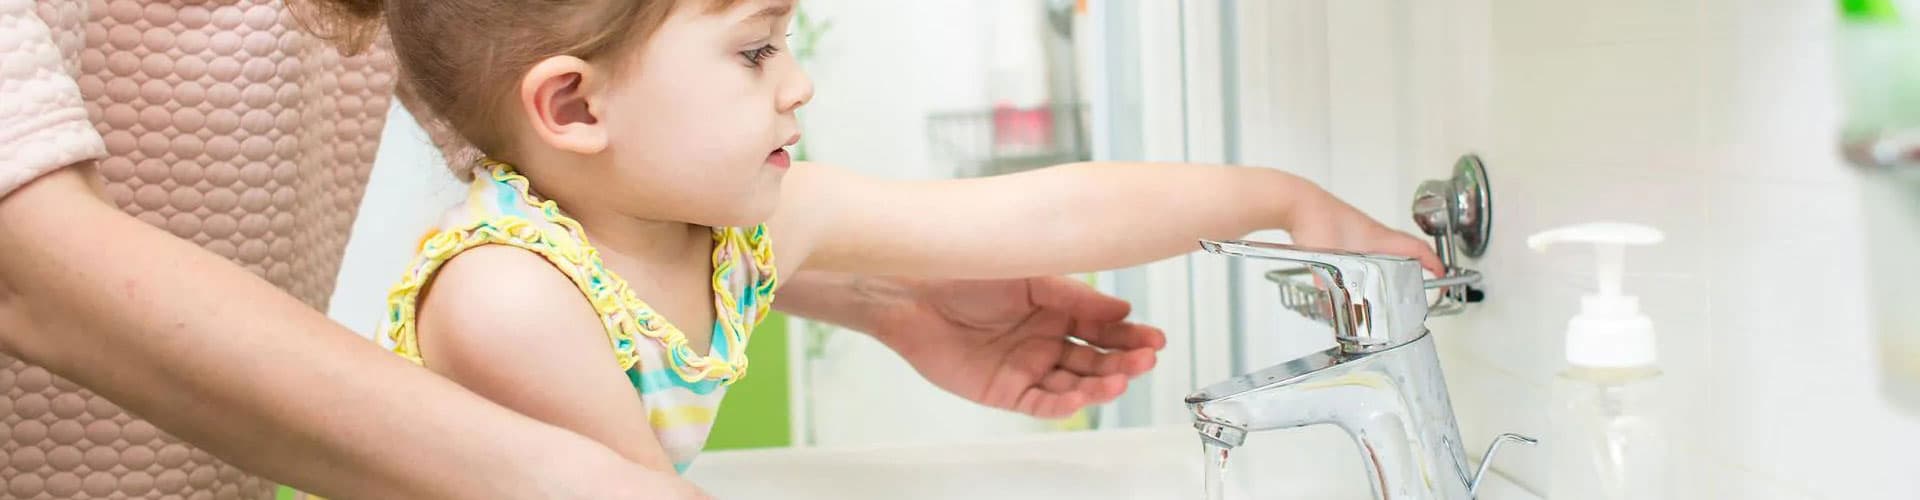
[(1162, 463)]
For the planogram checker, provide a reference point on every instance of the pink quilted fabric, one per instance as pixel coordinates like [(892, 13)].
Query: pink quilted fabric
[(217, 120), (43, 121)]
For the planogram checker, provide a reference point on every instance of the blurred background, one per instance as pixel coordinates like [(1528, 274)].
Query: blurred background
[(1773, 140)]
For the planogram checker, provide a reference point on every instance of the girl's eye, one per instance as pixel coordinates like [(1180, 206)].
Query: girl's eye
[(759, 55)]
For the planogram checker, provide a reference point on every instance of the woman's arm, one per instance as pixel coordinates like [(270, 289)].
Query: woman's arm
[(215, 355), (1064, 219), (860, 303), (1045, 346)]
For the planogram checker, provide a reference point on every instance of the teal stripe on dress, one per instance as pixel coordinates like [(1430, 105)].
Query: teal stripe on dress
[(509, 199), (653, 381), (717, 345)]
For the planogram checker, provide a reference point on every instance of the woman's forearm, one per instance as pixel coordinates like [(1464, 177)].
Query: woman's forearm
[(854, 301), (223, 359)]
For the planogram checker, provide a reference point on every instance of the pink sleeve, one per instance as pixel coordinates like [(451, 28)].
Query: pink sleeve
[(43, 120)]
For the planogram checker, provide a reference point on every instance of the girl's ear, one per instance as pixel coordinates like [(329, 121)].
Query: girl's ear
[(558, 98)]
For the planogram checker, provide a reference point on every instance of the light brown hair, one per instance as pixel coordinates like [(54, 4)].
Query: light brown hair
[(463, 59)]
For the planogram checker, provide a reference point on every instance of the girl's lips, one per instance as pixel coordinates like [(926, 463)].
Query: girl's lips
[(780, 159)]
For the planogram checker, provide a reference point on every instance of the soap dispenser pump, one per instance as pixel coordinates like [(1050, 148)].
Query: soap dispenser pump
[(1610, 330), (1606, 439)]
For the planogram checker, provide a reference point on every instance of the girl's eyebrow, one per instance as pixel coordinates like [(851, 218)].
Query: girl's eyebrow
[(772, 11)]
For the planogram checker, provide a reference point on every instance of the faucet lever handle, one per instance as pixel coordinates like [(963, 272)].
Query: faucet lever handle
[(1486, 460), (1377, 301)]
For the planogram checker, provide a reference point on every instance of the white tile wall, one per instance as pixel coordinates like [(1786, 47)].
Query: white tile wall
[(1712, 119)]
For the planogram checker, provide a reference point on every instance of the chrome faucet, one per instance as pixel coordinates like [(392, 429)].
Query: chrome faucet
[(1381, 384)]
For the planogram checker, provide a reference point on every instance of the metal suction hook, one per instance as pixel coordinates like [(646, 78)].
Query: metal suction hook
[(1458, 213)]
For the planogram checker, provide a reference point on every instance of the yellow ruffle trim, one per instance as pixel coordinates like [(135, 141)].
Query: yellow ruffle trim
[(625, 317)]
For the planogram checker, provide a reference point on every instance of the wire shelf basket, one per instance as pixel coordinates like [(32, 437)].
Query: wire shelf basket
[(1006, 140), (1299, 293), (1303, 295)]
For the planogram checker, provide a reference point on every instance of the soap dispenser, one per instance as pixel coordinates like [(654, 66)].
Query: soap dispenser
[(1606, 438)]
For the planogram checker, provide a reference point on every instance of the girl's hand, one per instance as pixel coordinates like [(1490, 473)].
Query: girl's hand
[(1330, 223)]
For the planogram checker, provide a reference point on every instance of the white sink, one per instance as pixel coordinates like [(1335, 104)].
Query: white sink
[(1312, 463)]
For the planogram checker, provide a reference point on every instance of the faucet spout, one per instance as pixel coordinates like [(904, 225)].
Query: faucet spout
[(1392, 402)]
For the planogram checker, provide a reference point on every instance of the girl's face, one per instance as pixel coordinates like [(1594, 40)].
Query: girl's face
[(701, 121)]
